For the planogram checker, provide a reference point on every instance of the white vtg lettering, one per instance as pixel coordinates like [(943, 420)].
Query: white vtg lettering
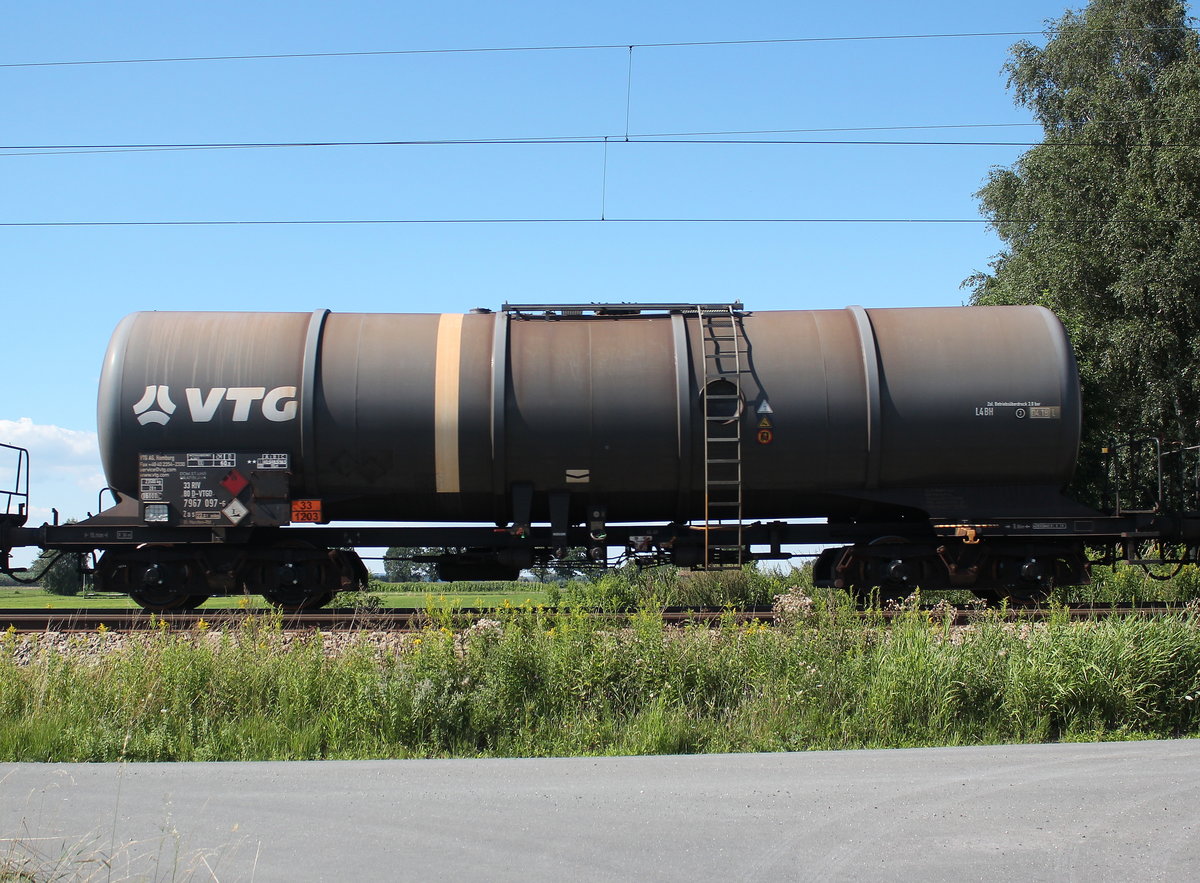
[(278, 405)]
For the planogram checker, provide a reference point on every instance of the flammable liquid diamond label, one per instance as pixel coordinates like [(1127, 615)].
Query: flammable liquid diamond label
[(235, 511)]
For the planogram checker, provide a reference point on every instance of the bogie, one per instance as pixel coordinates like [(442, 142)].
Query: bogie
[(292, 577), (1013, 573)]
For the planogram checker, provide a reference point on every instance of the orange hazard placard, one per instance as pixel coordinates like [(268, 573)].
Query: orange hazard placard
[(765, 436), (306, 510)]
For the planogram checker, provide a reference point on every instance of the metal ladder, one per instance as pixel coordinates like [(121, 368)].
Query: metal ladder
[(726, 358)]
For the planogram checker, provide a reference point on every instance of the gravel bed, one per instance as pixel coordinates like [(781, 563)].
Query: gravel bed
[(26, 649)]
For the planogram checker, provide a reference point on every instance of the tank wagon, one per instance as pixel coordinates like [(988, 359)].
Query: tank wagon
[(932, 444)]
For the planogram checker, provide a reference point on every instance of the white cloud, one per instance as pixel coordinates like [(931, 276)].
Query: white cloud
[(64, 467), (61, 444), (64, 471)]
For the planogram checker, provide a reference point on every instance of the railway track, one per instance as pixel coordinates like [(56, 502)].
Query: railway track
[(414, 619), (396, 619)]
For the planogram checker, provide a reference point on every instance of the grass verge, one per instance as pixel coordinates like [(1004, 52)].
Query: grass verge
[(529, 682)]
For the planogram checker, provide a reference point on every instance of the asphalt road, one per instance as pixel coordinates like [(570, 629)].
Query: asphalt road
[(1119, 811)]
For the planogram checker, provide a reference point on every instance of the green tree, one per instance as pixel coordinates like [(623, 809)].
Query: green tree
[(576, 565), (397, 569), (1101, 221), (58, 572)]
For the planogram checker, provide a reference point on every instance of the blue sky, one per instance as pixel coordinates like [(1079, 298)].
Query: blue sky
[(65, 288)]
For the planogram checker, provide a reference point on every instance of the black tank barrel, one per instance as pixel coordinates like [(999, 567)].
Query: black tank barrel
[(438, 417)]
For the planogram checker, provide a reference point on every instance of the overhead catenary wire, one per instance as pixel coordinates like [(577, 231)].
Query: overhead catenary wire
[(853, 38), (283, 222), (71, 149), (724, 136), (44, 149), (28, 150)]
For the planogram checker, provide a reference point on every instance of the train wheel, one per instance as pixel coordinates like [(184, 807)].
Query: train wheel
[(292, 604), (293, 599), (1014, 597), (1022, 580), (302, 583), (302, 577), (162, 586), (291, 584), (157, 578)]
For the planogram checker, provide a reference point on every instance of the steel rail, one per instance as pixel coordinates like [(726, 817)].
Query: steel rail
[(414, 619), (408, 619)]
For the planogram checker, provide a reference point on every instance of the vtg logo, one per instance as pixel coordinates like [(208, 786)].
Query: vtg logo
[(277, 405), (166, 407)]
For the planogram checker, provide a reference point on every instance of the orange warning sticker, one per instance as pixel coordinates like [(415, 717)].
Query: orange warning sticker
[(764, 423), (765, 436), (307, 511)]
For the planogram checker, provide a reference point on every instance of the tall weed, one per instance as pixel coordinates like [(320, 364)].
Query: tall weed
[(529, 682), (629, 587)]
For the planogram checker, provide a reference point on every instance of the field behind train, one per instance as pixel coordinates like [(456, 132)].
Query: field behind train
[(400, 595), (628, 588), (530, 681)]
